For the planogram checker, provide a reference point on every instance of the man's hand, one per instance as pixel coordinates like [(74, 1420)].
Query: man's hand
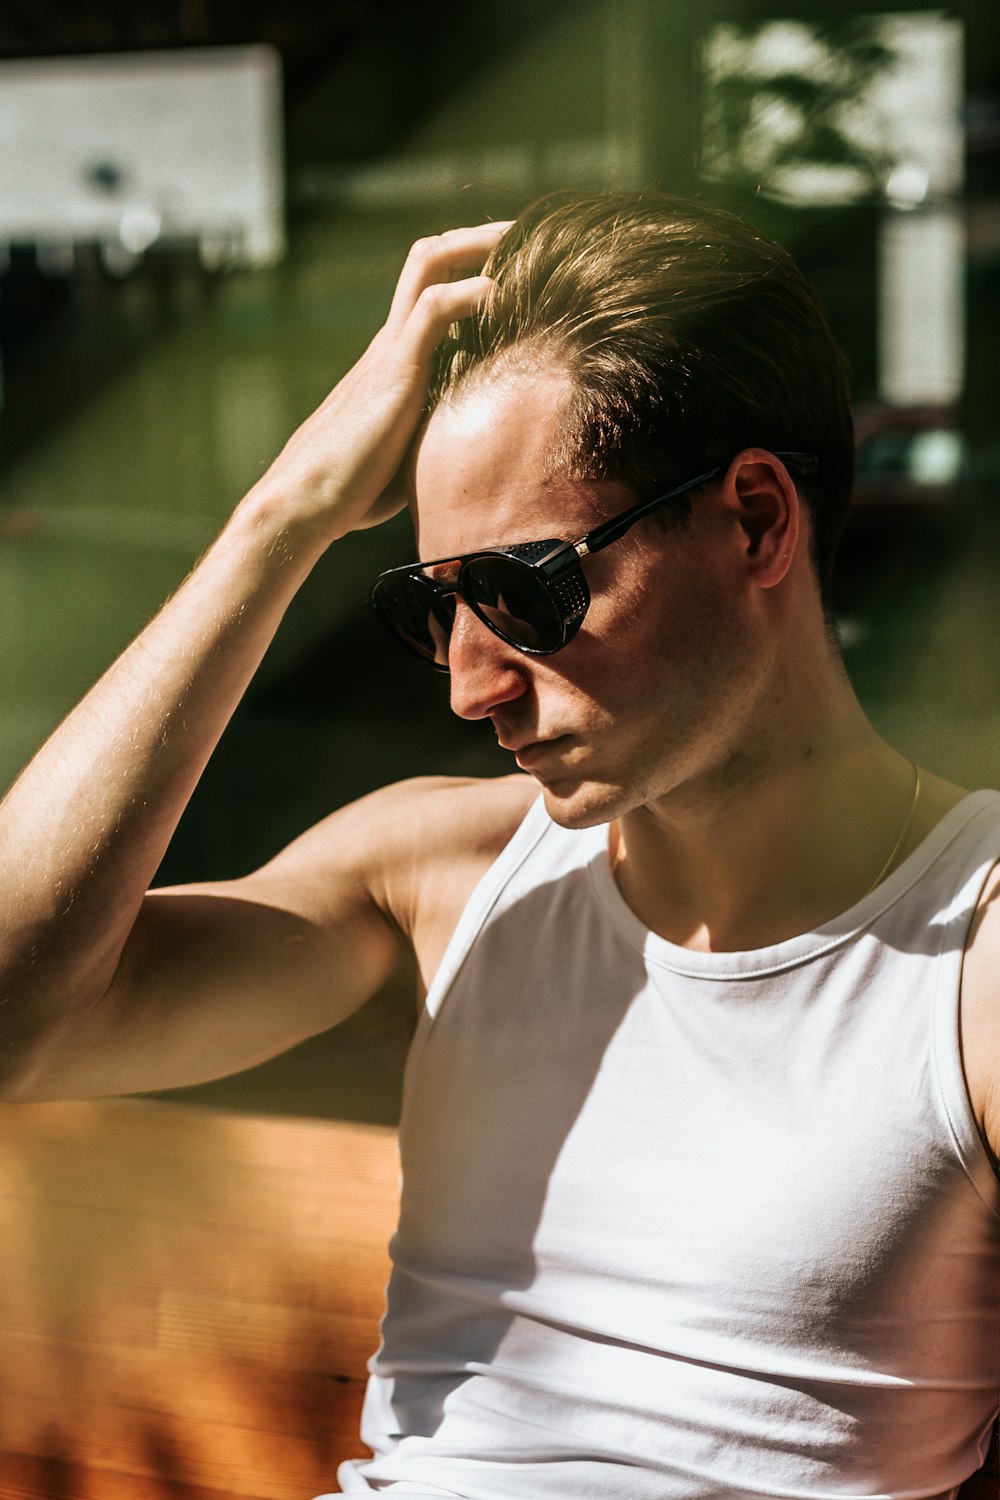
[(340, 470)]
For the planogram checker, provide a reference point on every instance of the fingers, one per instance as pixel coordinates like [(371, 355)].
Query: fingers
[(340, 464), (436, 308), (434, 261)]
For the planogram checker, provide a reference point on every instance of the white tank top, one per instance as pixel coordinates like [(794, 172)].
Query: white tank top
[(680, 1225)]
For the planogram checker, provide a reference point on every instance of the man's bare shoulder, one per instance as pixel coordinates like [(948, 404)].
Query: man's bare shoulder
[(413, 852), (981, 1012), (457, 815), (460, 827), (407, 838), (449, 830)]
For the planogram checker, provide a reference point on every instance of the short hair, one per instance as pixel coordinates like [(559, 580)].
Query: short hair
[(687, 335)]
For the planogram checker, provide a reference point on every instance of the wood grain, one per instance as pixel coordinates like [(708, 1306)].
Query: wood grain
[(188, 1299)]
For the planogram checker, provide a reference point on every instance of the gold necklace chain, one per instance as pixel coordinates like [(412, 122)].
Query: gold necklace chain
[(902, 832), (619, 850)]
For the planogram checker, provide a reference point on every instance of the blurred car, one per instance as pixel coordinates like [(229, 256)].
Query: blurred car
[(905, 524), (909, 458)]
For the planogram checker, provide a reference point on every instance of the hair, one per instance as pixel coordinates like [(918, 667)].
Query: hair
[(686, 335)]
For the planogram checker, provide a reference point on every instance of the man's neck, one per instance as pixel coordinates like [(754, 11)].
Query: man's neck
[(766, 845)]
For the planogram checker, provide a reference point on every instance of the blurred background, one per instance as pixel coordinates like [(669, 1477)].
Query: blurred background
[(203, 208)]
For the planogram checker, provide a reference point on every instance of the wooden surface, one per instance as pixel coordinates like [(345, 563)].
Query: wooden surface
[(188, 1299)]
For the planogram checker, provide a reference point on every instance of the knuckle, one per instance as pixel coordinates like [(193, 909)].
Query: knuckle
[(426, 248), (435, 299)]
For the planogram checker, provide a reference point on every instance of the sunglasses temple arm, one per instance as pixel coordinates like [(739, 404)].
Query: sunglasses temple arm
[(602, 536)]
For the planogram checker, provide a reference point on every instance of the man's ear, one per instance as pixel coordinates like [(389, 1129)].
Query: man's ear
[(768, 511)]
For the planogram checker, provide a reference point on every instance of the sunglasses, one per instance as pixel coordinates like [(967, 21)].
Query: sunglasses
[(533, 595)]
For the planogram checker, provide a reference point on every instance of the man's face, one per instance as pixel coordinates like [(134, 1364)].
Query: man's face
[(648, 696)]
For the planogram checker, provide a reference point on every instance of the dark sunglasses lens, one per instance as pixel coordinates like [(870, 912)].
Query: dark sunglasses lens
[(513, 600), (420, 616)]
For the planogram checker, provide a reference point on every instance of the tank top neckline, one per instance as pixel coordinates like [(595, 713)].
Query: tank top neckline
[(755, 962)]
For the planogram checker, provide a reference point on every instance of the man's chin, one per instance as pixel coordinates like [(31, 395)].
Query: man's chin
[(575, 803)]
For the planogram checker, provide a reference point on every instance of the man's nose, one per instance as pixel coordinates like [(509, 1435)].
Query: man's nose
[(485, 671)]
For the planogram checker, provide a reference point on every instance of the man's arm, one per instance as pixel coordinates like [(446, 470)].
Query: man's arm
[(216, 977), (84, 828)]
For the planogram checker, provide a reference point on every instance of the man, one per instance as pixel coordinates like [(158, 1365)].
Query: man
[(700, 1124)]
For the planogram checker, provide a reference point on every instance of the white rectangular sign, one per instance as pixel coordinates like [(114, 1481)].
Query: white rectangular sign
[(136, 149)]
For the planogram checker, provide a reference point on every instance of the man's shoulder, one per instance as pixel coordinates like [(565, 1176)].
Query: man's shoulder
[(412, 851), (419, 827), (980, 1011), (441, 836), (981, 968), (453, 817)]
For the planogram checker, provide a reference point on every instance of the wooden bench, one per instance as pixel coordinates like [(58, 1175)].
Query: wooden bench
[(188, 1300)]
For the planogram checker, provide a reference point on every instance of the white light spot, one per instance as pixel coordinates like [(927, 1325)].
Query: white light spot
[(907, 185), (140, 225)]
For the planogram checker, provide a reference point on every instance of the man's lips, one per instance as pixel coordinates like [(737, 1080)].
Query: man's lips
[(514, 742), (527, 752)]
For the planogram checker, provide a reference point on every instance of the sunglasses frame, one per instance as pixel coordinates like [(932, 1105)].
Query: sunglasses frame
[(554, 564)]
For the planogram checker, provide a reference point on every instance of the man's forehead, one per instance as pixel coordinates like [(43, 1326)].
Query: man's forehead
[(489, 468), (525, 410), (484, 449)]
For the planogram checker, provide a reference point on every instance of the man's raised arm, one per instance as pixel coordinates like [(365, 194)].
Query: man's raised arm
[(85, 1006)]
